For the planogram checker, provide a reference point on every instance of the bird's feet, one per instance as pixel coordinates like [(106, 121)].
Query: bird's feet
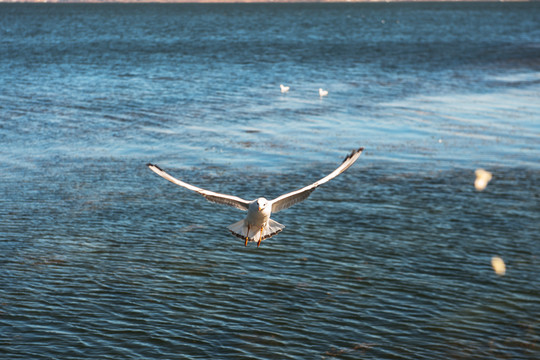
[(260, 236)]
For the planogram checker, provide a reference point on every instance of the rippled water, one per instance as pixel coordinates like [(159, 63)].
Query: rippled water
[(100, 258)]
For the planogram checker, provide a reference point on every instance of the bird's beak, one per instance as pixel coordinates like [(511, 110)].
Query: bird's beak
[(260, 208)]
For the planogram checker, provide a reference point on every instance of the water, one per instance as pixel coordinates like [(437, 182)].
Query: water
[(100, 258)]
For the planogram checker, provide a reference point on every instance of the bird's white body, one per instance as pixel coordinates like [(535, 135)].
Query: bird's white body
[(258, 213), (257, 225), (284, 88), (322, 92)]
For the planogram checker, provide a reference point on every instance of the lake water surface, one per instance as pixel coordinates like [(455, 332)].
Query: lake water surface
[(102, 259)]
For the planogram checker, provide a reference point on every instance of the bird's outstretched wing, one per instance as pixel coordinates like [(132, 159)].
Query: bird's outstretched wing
[(289, 199), (234, 201)]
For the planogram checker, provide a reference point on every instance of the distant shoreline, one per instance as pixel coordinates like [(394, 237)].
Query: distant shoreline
[(245, 1)]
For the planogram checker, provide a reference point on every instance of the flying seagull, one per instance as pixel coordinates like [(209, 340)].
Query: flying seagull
[(284, 89), (322, 92), (257, 225)]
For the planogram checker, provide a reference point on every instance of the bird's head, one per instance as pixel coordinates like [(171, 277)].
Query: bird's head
[(262, 203)]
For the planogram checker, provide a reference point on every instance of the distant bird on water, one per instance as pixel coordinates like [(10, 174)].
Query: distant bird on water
[(284, 89), (257, 225), (322, 92)]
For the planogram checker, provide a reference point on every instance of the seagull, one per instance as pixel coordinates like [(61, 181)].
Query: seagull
[(482, 179), (322, 92), (257, 225), (284, 89)]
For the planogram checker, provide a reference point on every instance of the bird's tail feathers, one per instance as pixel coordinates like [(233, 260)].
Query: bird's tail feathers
[(272, 228), (240, 229)]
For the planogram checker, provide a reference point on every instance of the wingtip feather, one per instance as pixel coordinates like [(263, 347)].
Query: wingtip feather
[(150, 165), (353, 153)]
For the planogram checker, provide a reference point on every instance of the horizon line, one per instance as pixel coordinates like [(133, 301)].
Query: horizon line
[(246, 1)]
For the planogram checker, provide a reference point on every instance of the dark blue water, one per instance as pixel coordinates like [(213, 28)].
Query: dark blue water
[(100, 258)]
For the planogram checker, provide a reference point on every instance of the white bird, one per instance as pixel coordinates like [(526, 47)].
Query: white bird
[(257, 225), (498, 265), (322, 92), (482, 179), (284, 89)]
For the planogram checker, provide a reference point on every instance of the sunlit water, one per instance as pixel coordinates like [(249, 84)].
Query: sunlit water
[(102, 259)]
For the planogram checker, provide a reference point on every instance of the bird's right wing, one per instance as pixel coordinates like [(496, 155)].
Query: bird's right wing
[(230, 200), (289, 199)]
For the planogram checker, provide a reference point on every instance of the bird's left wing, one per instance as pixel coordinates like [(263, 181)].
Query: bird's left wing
[(230, 200), (289, 199)]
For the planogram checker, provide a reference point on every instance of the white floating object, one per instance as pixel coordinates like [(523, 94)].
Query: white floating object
[(284, 89), (322, 92), (482, 179), (498, 265)]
